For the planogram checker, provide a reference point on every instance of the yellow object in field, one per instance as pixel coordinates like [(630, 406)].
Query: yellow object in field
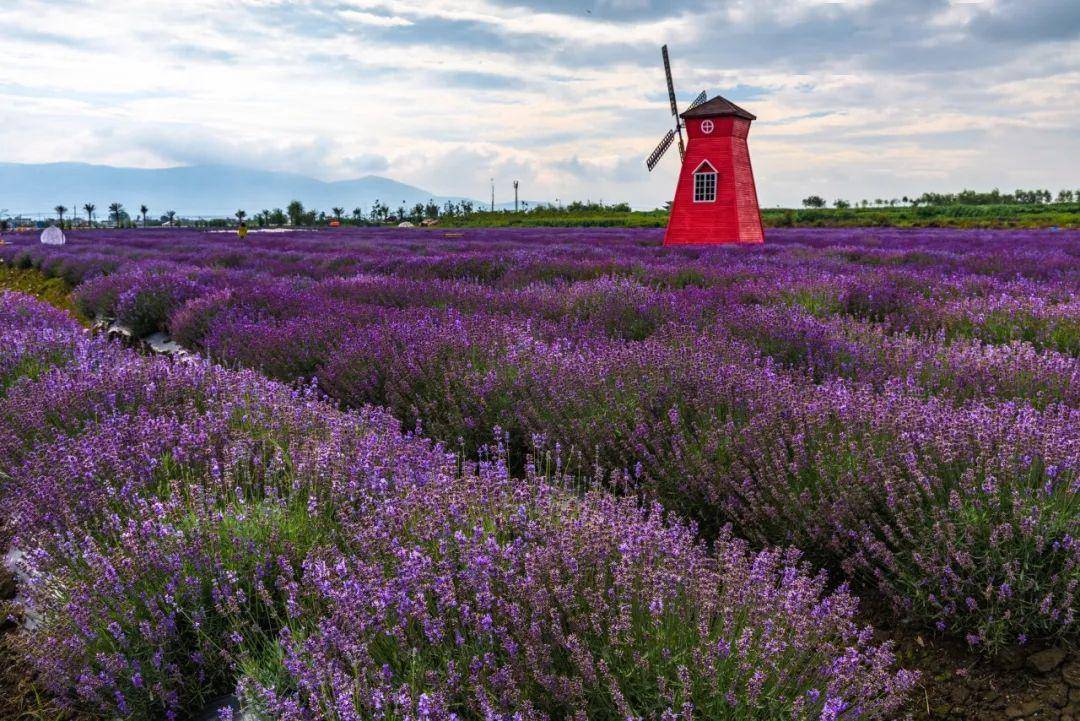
[(242, 231)]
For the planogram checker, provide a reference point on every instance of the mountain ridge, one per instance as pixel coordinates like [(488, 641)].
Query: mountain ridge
[(193, 190)]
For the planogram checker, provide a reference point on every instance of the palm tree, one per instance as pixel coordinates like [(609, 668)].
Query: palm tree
[(60, 210), (170, 214), (143, 211), (89, 208), (240, 215), (357, 214), (296, 212), (337, 213), (116, 209)]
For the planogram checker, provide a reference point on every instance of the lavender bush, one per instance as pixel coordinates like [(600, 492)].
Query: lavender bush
[(189, 530), (900, 405)]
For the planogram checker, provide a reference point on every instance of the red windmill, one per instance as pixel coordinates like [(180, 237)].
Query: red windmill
[(715, 200)]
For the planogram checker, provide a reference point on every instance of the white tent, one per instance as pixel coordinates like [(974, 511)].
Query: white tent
[(405, 224), (52, 236)]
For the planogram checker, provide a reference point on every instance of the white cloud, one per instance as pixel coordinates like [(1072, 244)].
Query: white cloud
[(520, 20), (382, 21), (852, 99)]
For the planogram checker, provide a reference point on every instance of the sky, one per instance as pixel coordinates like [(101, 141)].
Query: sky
[(854, 100)]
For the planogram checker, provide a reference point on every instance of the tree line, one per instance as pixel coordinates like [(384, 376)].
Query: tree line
[(456, 212), (295, 214), (964, 197), (118, 216)]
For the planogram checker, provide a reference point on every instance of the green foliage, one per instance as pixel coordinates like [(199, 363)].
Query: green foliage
[(25, 279), (576, 214), (1004, 326), (1064, 215)]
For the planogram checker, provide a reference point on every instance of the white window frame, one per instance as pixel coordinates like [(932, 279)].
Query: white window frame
[(703, 177)]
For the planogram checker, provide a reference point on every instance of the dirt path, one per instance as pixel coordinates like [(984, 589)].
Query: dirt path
[(1037, 682)]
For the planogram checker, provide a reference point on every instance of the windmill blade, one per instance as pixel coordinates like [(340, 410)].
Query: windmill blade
[(661, 148), (671, 97), (698, 100), (670, 83)]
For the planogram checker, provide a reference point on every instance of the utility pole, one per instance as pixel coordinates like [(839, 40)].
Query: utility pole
[(493, 195), (515, 196)]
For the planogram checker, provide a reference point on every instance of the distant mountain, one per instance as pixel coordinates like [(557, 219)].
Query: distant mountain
[(206, 190)]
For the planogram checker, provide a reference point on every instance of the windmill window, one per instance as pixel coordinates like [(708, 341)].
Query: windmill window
[(705, 183)]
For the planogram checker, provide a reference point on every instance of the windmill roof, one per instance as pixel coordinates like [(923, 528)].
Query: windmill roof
[(717, 106)]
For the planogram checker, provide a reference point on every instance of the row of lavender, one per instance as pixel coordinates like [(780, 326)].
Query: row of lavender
[(1012, 286), (831, 327), (514, 257), (902, 407), (190, 531)]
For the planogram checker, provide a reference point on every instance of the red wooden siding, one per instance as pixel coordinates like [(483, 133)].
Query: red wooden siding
[(734, 216)]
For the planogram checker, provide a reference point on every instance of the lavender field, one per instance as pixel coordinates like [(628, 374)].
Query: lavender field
[(539, 474)]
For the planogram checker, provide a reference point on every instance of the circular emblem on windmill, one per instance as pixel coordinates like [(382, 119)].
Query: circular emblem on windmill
[(706, 126)]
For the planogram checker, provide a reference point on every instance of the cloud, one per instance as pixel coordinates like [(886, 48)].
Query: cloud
[(1028, 21), (865, 97), (197, 52), (365, 163), (580, 26), (483, 81), (381, 21), (619, 169)]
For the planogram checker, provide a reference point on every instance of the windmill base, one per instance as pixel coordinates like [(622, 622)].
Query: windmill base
[(699, 236), (737, 226)]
